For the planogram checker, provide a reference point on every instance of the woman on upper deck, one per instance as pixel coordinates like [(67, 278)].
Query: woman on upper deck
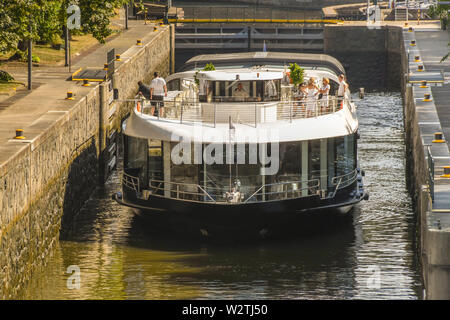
[(312, 92), (323, 93)]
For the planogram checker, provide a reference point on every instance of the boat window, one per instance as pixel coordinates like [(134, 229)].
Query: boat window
[(239, 91), (136, 157), (314, 159), (155, 160)]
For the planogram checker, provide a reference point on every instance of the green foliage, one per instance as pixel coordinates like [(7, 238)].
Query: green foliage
[(35, 58), (297, 73), (208, 67), (5, 76), (42, 20)]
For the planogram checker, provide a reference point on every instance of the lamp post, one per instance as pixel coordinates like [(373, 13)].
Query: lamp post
[(30, 55)]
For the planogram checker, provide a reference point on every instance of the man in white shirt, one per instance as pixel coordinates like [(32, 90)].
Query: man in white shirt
[(158, 90), (239, 92), (342, 90)]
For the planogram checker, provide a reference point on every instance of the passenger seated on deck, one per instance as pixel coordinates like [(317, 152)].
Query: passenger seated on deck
[(239, 92)]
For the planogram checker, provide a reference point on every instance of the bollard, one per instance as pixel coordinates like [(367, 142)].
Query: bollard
[(19, 134), (423, 84), (155, 29), (410, 29), (427, 97), (70, 95), (417, 59), (118, 57), (413, 43), (139, 42), (446, 172), (406, 24), (361, 93), (86, 83), (420, 67), (438, 137), (105, 66)]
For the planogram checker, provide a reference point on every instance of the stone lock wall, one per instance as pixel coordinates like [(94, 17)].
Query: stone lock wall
[(46, 181), (370, 56)]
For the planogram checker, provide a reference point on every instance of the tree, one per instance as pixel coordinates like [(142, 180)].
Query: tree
[(47, 18)]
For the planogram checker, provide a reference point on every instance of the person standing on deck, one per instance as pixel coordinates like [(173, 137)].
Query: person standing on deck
[(342, 90), (158, 90)]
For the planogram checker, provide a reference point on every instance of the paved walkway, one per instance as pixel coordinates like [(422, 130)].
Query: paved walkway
[(53, 85), (433, 46)]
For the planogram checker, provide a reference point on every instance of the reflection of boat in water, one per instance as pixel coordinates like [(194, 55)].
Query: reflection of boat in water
[(234, 150)]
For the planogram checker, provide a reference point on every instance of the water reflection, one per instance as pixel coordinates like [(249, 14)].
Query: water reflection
[(122, 256)]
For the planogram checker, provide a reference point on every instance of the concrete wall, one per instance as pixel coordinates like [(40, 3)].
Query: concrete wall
[(46, 180), (421, 121), (371, 57)]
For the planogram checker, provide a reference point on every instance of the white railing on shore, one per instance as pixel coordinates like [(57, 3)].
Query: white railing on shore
[(244, 112)]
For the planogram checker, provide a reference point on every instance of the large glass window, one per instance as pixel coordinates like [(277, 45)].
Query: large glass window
[(136, 157), (155, 163), (240, 91)]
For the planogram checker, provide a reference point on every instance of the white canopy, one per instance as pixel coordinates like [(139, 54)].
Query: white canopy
[(336, 124)]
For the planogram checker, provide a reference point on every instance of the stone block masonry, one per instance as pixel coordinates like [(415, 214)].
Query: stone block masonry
[(45, 179)]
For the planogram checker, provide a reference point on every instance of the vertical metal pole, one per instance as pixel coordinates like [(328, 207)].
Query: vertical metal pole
[(407, 10), (70, 58), (66, 46), (126, 16), (30, 56)]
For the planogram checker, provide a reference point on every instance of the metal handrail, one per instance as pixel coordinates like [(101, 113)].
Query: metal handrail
[(188, 110), (285, 183), (158, 188), (131, 182), (430, 161), (347, 178)]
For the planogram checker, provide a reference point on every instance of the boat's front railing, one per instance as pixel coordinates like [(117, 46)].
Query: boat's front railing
[(243, 194), (344, 180), (243, 112), (131, 182), (285, 190)]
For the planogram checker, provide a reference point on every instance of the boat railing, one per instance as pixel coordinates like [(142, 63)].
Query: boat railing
[(131, 182), (344, 180), (251, 113), (289, 190), (267, 192)]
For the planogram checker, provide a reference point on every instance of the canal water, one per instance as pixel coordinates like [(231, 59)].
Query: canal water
[(370, 256)]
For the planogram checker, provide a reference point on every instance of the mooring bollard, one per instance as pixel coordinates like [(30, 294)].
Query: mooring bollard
[(413, 43), (70, 95), (139, 42), (410, 29), (420, 67), (417, 59), (438, 137), (427, 97), (19, 134), (361, 93), (105, 66), (118, 57), (423, 84), (86, 83), (155, 29), (446, 172)]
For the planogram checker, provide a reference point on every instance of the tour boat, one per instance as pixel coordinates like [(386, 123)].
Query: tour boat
[(236, 150)]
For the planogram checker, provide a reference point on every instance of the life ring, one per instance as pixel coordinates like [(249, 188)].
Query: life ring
[(138, 106)]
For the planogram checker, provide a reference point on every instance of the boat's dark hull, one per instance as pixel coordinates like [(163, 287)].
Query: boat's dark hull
[(250, 220)]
